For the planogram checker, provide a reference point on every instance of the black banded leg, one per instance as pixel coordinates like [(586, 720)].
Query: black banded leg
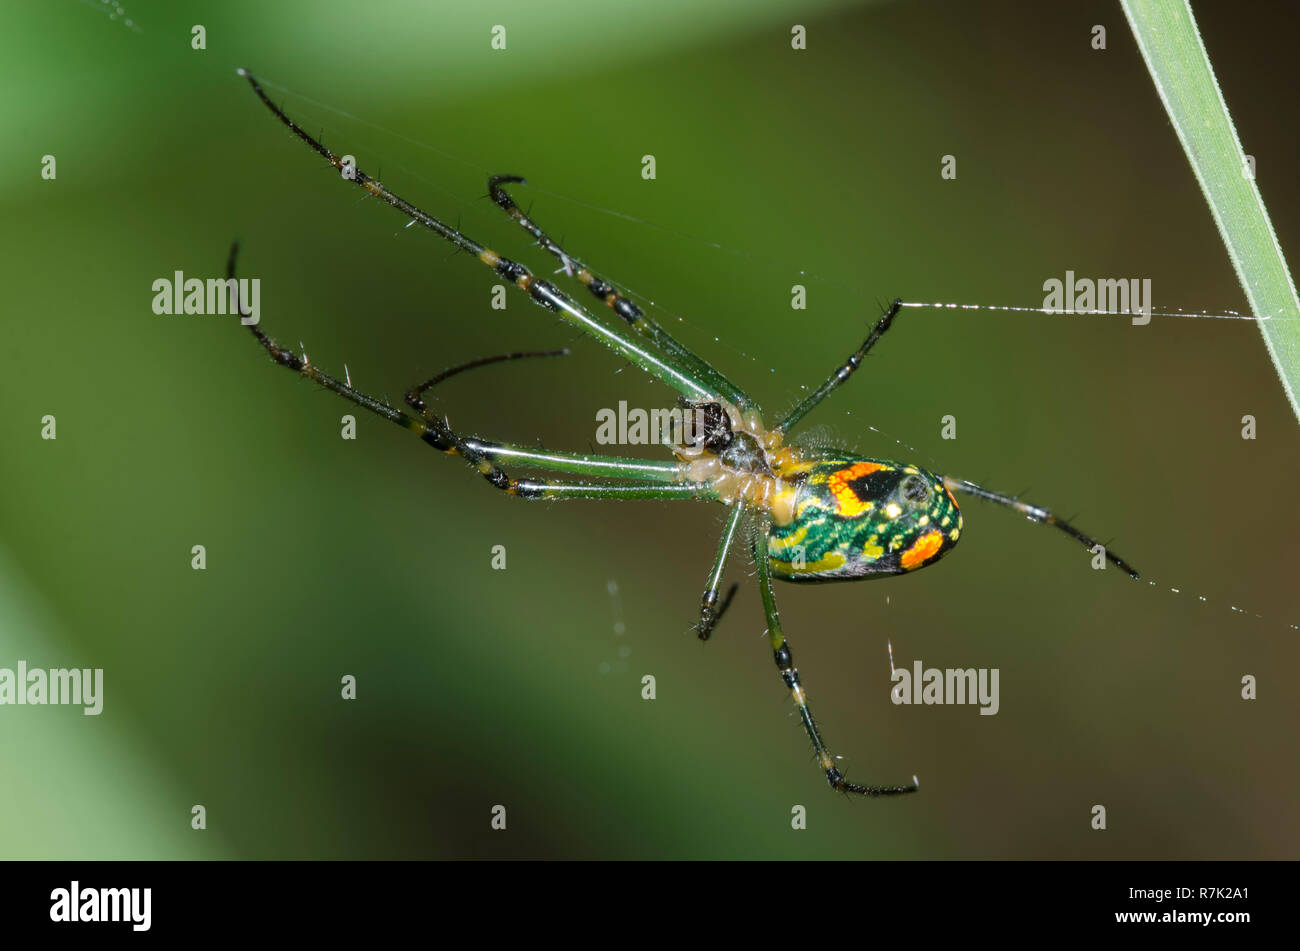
[(1039, 514), (430, 432), (610, 467), (542, 292), (656, 481), (790, 677), (415, 395), (613, 298), (710, 610), (840, 376)]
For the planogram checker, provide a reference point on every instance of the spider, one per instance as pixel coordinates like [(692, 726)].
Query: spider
[(817, 515)]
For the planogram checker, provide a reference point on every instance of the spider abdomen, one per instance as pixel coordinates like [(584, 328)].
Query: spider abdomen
[(862, 518)]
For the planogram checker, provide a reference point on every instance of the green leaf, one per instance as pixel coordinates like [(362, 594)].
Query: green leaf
[(1171, 45)]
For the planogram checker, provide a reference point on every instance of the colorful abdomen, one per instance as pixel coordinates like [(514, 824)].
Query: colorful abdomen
[(858, 518)]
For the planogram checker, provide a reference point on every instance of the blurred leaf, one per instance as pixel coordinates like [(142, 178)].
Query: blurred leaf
[(1171, 45)]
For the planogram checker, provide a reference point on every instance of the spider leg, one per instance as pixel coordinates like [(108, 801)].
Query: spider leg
[(1036, 513), (542, 292), (615, 299), (415, 395), (790, 677), (841, 375), (584, 464), (643, 479), (710, 611), (612, 467)]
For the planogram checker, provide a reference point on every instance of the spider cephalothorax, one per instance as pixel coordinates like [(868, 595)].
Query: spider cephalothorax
[(816, 515), (705, 426)]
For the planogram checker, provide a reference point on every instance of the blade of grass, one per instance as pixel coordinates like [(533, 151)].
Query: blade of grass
[(1171, 45)]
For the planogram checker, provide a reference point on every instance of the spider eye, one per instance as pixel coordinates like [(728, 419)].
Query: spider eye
[(916, 490)]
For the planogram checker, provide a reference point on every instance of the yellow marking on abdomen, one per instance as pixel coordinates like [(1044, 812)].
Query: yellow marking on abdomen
[(832, 561), (847, 502)]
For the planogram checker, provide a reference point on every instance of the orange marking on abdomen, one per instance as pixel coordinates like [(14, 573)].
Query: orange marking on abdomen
[(846, 500), (926, 547)]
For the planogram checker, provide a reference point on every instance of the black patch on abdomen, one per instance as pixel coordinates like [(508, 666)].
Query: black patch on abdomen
[(877, 485)]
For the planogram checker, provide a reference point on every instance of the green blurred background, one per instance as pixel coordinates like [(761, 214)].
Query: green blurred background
[(372, 558)]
